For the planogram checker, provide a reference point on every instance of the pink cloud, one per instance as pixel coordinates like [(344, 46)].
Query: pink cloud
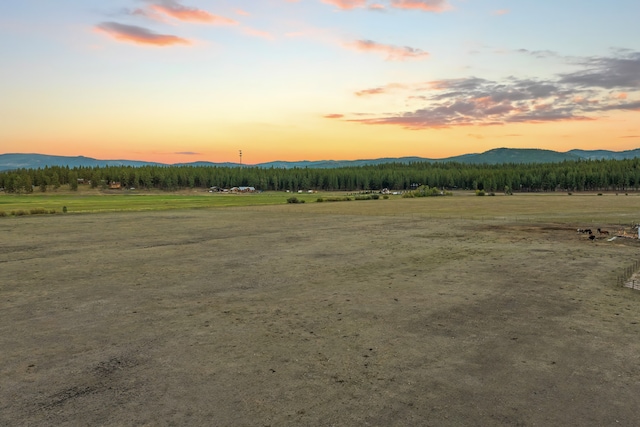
[(333, 116), (138, 35), (393, 53), (368, 92), (380, 90), (346, 4), (183, 13), (424, 5), (258, 33)]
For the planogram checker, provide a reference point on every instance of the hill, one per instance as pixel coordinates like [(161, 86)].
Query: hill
[(13, 161)]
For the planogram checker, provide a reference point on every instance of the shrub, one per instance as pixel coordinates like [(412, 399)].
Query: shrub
[(425, 191), (37, 211), (362, 198), (3, 213), (337, 199), (19, 212), (375, 196), (570, 193), (480, 193), (385, 197), (52, 211), (64, 209), (599, 194), (320, 200)]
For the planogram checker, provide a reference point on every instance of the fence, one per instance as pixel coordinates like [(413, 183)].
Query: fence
[(629, 278)]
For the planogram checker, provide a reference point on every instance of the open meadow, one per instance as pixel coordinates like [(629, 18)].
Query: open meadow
[(434, 311)]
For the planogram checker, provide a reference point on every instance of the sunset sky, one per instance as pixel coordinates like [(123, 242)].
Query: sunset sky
[(189, 80)]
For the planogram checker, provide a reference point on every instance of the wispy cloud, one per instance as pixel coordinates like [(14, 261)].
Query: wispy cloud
[(188, 153), (346, 4), (391, 87), (138, 35), (174, 9), (333, 116), (586, 94), (392, 53), (257, 33), (424, 5), (501, 12), (607, 72)]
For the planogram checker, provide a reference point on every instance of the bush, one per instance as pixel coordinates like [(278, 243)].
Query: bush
[(19, 212), (320, 200), (480, 193), (64, 209), (385, 197), (362, 198), (425, 191), (337, 199), (375, 196), (599, 194), (37, 211), (294, 200), (52, 211), (3, 213), (570, 193)]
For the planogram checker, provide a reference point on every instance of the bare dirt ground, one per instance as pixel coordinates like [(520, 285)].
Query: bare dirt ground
[(312, 315)]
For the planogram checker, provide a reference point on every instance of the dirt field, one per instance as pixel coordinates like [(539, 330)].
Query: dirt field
[(379, 313)]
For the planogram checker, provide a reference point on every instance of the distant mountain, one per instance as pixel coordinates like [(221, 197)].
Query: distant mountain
[(37, 161), (495, 156), (515, 155), (606, 154)]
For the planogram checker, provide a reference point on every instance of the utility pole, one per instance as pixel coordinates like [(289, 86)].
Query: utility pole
[(240, 158)]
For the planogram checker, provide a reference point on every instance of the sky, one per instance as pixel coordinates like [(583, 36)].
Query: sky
[(177, 81)]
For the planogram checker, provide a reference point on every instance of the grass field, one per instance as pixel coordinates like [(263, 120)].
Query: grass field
[(117, 201), (450, 311), (578, 207)]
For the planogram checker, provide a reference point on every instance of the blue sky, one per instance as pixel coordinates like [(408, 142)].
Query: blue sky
[(182, 80)]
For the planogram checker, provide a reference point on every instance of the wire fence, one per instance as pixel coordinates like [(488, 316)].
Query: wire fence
[(630, 277)]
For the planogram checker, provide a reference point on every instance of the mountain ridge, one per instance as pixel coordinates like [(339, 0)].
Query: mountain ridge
[(12, 161)]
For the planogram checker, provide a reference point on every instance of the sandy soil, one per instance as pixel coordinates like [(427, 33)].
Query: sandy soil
[(274, 316)]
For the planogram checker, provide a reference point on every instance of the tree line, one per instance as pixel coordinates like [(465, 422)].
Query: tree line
[(583, 175)]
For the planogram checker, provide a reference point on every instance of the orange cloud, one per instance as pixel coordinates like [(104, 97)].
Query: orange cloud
[(183, 13), (258, 33), (424, 5), (394, 53), (377, 6), (346, 4), (333, 116), (368, 92), (380, 90), (138, 35)]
